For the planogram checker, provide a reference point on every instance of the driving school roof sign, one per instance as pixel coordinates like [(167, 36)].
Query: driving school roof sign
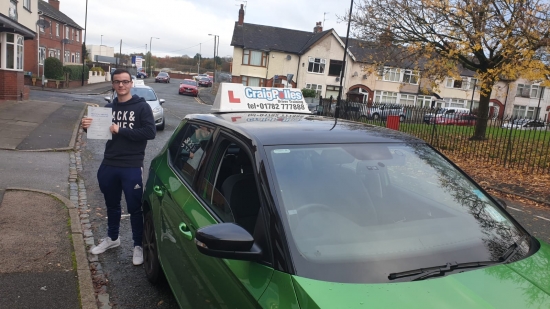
[(238, 98)]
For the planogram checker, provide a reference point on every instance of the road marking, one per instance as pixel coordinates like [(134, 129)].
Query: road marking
[(515, 209), (543, 218)]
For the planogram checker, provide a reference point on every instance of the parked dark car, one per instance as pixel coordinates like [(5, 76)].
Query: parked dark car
[(142, 74), (205, 82), (162, 77)]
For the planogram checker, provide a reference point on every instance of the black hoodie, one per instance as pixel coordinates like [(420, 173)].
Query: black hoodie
[(136, 125)]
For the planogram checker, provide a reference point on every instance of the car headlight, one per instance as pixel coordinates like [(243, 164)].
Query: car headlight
[(157, 109)]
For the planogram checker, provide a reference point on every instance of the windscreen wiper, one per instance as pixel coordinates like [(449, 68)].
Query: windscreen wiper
[(423, 273)]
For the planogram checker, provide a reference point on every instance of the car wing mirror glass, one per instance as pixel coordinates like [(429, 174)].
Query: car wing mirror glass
[(161, 101), (108, 99), (227, 241)]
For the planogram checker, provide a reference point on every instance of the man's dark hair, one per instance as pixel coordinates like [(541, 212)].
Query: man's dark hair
[(120, 71)]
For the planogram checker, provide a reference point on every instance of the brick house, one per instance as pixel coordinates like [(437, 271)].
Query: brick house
[(62, 39), (17, 21)]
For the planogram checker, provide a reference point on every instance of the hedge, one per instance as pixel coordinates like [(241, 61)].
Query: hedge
[(75, 72), (53, 68)]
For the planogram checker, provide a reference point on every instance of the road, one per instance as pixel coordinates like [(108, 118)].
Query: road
[(128, 286)]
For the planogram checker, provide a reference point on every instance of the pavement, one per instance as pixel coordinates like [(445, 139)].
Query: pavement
[(43, 206), (43, 215)]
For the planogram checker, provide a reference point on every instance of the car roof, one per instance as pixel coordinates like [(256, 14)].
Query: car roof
[(298, 129)]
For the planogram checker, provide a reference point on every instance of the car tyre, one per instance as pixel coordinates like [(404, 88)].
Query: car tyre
[(151, 262), (376, 116)]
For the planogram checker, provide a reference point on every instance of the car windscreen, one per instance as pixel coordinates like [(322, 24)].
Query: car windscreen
[(162, 74), (356, 213), (189, 82), (145, 93)]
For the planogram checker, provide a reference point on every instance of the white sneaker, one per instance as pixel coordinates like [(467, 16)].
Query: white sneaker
[(105, 243), (138, 255)]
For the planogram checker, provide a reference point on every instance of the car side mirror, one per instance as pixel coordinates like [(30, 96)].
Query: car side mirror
[(108, 99), (227, 241), (162, 101)]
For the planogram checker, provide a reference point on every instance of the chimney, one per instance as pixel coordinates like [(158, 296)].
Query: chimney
[(241, 15), (318, 28), (54, 3)]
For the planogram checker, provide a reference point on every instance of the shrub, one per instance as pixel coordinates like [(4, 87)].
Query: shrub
[(53, 68), (308, 93), (75, 72)]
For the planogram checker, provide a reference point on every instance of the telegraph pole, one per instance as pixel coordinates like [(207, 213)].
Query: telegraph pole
[(119, 54)]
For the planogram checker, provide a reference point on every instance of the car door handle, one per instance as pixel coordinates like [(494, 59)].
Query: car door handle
[(185, 230), (158, 191)]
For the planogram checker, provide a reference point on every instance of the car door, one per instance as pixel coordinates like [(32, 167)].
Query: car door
[(216, 282)]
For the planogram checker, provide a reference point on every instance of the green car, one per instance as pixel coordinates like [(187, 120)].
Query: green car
[(270, 210)]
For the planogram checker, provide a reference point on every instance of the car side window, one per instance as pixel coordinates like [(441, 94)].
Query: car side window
[(187, 149), (229, 186)]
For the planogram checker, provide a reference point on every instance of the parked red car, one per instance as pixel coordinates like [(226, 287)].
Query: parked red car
[(189, 87), (206, 82)]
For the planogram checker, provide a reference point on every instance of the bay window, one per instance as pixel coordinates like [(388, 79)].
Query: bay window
[(13, 46), (385, 96)]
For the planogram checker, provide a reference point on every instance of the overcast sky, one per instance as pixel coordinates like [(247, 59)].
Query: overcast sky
[(182, 25)]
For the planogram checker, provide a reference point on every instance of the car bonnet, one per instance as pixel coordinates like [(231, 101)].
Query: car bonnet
[(522, 284)]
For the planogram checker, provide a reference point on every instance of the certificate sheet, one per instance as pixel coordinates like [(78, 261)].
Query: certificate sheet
[(103, 119)]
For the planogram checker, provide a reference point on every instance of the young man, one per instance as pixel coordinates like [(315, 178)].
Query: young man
[(122, 167)]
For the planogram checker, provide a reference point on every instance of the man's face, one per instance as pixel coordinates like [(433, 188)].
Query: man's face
[(202, 132), (122, 83)]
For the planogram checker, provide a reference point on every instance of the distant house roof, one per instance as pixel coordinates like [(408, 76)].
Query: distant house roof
[(53, 13)]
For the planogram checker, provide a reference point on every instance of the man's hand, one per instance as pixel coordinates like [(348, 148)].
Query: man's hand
[(114, 128), (86, 122)]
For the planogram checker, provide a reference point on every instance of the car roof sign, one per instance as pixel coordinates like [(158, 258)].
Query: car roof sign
[(239, 98), (139, 82)]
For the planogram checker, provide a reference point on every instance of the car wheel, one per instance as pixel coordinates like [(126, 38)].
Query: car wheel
[(401, 118), (375, 116), (153, 270), (161, 126)]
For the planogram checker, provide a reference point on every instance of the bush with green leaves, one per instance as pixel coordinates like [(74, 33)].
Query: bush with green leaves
[(75, 72), (308, 93), (53, 68)]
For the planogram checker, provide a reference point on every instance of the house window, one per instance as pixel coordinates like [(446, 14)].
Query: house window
[(318, 89), (73, 58), (13, 56), (12, 10), (52, 53), (41, 54), (424, 101), (78, 36), (473, 83), (410, 77), (518, 111), (535, 91), (530, 113), (253, 81), (335, 68), (316, 65), (67, 57), (77, 58), (56, 29), (66, 32), (523, 90), (452, 102), (27, 4), (385, 96), (391, 74), (454, 83), (254, 57), (407, 99)]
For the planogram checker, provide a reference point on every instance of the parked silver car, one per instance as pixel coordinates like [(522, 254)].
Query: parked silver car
[(150, 96)]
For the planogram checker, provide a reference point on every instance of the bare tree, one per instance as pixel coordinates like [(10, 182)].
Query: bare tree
[(494, 38)]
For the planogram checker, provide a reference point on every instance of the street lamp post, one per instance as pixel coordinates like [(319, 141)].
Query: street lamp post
[(216, 37), (150, 55), (84, 52), (101, 40)]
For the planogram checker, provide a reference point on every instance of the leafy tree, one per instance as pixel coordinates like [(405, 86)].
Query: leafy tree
[(84, 52), (497, 39)]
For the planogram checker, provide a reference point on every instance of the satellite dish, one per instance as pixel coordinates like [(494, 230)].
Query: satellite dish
[(42, 23)]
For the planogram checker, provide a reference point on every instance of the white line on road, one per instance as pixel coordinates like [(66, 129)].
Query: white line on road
[(515, 209), (543, 218)]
